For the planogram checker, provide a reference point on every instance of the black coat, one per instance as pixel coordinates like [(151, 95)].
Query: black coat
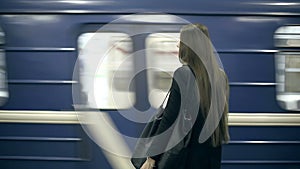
[(200, 156)]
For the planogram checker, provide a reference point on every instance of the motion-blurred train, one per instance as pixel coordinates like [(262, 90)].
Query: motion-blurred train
[(47, 74)]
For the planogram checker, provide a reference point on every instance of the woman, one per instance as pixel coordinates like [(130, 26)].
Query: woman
[(210, 129)]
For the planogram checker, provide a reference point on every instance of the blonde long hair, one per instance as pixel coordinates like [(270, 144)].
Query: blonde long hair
[(197, 51)]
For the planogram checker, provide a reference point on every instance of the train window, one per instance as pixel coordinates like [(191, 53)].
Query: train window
[(162, 61), (106, 70), (288, 67), (3, 79)]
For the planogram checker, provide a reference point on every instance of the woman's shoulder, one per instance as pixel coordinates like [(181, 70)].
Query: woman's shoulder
[(183, 70), (183, 73)]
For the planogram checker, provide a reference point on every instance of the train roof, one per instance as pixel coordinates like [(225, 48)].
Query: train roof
[(195, 7)]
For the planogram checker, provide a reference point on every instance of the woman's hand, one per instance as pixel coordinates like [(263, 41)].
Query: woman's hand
[(148, 164)]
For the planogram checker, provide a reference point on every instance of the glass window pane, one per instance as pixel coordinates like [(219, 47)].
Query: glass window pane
[(292, 82), (288, 67), (3, 78), (106, 70), (162, 61), (292, 61), (1, 37), (288, 80)]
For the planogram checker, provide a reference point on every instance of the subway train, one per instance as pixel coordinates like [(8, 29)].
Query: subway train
[(65, 62)]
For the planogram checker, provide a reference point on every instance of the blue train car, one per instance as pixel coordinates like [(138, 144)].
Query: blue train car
[(47, 52)]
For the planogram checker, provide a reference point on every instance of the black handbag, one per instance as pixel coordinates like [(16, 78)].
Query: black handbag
[(176, 157), (150, 130), (173, 158)]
